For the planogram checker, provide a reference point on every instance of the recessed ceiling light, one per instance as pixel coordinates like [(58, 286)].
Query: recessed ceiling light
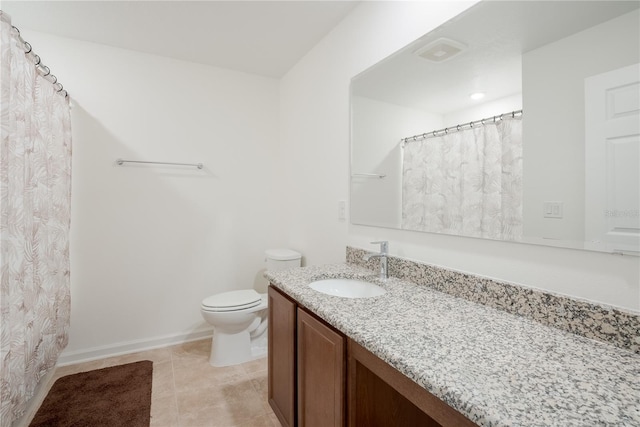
[(477, 95)]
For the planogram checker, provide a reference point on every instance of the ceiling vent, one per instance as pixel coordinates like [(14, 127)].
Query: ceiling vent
[(440, 50)]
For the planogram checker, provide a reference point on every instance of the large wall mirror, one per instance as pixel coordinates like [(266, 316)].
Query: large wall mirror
[(515, 121)]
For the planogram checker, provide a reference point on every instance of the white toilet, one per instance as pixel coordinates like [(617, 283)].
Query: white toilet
[(239, 317)]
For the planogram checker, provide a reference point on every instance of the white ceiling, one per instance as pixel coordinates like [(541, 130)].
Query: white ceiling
[(496, 34), (260, 37)]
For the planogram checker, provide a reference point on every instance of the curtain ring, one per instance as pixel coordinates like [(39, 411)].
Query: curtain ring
[(513, 114), (37, 60), (434, 134), (27, 44), (470, 124), (446, 130), (458, 128), (48, 71), (13, 27)]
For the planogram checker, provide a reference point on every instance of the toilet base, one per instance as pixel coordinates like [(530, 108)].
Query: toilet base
[(233, 349)]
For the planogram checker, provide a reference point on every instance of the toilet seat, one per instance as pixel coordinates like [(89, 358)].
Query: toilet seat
[(232, 301)]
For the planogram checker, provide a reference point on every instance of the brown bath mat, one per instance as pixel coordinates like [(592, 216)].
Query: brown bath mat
[(111, 397)]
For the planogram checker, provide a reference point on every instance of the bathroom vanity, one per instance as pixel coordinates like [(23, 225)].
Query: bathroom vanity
[(418, 356), (316, 372), (307, 366)]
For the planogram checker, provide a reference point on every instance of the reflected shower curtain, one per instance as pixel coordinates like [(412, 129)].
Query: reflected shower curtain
[(466, 183), (35, 187)]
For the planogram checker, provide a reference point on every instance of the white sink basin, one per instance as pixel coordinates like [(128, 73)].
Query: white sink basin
[(347, 288)]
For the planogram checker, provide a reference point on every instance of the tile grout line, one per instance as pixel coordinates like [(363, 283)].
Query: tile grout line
[(175, 392)]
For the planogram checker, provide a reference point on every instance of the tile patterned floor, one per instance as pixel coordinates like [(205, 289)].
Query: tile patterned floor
[(188, 392)]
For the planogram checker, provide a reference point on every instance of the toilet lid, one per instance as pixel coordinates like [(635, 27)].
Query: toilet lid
[(234, 300)]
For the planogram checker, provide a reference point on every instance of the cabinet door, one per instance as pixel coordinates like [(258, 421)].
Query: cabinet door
[(321, 373), (282, 363)]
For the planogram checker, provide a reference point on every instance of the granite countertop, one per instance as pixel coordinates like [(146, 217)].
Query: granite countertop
[(496, 368)]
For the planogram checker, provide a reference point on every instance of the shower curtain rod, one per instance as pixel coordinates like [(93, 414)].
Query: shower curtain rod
[(42, 69), (481, 122), (121, 162)]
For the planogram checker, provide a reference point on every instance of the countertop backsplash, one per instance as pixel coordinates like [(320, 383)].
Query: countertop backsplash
[(588, 319)]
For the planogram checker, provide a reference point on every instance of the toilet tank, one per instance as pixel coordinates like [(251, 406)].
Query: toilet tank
[(281, 259)]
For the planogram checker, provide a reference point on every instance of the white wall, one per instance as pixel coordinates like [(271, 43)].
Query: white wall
[(315, 115), (148, 243), (558, 127), (315, 135), (376, 129)]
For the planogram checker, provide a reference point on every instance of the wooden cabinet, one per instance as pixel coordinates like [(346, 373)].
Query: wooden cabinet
[(306, 366), (379, 395), (318, 377), (282, 357), (321, 373)]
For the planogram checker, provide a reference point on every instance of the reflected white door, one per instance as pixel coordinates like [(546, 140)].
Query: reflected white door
[(612, 156)]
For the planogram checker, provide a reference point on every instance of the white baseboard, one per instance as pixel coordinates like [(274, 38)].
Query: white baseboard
[(118, 349)]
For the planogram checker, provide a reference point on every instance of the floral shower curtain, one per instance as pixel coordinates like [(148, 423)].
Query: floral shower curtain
[(466, 183), (35, 196)]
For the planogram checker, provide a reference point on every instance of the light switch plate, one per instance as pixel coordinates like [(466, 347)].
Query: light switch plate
[(553, 209), (342, 210)]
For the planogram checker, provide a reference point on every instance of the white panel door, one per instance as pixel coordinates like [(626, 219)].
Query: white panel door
[(612, 156)]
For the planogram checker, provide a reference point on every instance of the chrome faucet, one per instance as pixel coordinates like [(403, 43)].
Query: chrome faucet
[(384, 250)]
